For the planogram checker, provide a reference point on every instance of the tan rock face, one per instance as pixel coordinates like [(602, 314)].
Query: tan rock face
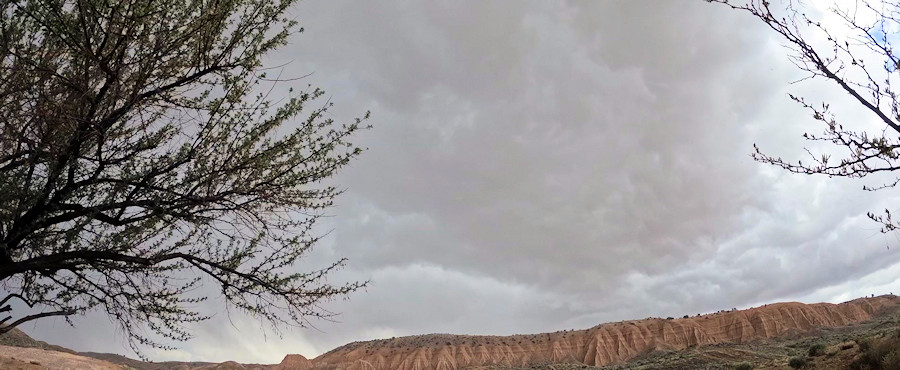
[(294, 362), (601, 345), (228, 365)]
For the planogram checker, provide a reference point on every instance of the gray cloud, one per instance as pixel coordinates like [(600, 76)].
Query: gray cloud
[(550, 165)]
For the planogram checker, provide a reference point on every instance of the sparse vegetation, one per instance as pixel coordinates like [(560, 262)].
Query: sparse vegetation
[(817, 349), (879, 353), (864, 344), (891, 360), (797, 362), (743, 366)]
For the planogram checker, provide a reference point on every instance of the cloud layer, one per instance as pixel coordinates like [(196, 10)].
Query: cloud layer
[(552, 165)]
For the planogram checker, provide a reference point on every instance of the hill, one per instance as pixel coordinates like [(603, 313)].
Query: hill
[(762, 337), (605, 344)]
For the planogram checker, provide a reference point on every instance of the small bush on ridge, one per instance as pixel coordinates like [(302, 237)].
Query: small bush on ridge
[(816, 350), (797, 362)]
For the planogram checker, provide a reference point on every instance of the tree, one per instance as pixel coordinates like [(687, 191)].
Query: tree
[(862, 60), (141, 155)]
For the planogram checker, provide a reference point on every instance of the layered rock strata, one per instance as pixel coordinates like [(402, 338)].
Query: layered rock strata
[(601, 345)]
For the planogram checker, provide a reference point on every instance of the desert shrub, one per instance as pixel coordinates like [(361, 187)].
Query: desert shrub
[(878, 353), (797, 362), (864, 344), (817, 349), (743, 366), (891, 360), (846, 346)]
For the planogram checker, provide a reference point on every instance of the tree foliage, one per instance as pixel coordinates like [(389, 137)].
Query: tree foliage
[(141, 155), (860, 57)]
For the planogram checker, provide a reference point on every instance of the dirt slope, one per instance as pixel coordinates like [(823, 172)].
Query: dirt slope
[(37, 358), (601, 345), (295, 362)]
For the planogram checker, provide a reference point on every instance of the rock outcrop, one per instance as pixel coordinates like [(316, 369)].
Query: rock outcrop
[(295, 362), (601, 345)]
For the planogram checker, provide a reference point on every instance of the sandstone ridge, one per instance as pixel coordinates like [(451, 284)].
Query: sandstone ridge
[(601, 345)]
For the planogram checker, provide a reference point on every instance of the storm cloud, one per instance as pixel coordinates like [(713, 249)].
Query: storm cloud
[(538, 166)]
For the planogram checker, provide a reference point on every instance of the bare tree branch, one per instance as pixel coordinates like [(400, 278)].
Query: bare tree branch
[(864, 65)]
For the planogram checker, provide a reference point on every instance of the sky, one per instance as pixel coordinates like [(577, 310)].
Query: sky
[(546, 165)]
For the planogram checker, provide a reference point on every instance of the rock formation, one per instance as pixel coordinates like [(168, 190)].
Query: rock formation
[(295, 362), (601, 345)]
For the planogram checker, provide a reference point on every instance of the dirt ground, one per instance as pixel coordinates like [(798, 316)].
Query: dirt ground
[(35, 358)]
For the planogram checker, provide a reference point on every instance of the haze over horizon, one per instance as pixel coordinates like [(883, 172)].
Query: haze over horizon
[(540, 166)]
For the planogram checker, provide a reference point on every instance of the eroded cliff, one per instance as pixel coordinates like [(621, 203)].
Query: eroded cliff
[(601, 345)]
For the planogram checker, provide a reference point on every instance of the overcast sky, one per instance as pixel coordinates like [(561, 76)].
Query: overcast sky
[(539, 166)]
